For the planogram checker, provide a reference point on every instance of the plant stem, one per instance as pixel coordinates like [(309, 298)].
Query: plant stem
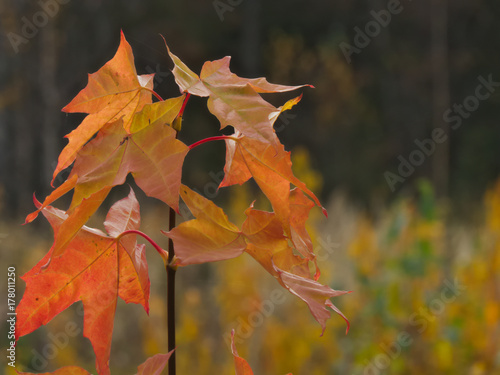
[(171, 296), (154, 93), (209, 139), (181, 112), (146, 237), (170, 285)]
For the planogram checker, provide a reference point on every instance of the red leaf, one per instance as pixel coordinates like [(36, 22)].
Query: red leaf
[(96, 269)]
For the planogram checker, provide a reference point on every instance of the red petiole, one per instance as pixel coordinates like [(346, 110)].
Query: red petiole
[(209, 139), (162, 252)]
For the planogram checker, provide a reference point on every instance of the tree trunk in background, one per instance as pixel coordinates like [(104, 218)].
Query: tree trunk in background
[(440, 93), (440, 102), (22, 170), (50, 96), (250, 37)]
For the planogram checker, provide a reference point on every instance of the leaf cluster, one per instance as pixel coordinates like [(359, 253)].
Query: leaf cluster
[(125, 132)]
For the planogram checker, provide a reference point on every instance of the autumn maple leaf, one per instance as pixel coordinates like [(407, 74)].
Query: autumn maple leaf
[(232, 99), (212, 237), (126, 133), (268, 245), (271, 168), (97, 269), (314, 294), (152, 154), (115, 91)]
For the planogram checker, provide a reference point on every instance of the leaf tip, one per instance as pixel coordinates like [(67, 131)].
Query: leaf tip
[(32, 216), (325, 212), (122, 37)]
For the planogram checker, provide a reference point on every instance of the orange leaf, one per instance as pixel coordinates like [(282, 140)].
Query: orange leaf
[(300, 206), (208, 238), (68, 185), (95, 268), (241, 365), (233, 100), (76, 218), (113, 92), (236, 170), (271, 168), (153, 155), (268, 244)]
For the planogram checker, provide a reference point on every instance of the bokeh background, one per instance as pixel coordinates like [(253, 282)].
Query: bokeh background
[(413, 231)]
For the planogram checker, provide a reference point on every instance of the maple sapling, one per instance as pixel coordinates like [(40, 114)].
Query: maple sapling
[(126, 132)]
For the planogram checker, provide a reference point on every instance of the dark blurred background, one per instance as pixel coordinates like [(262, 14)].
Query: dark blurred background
[(370, 104), (400, 137)]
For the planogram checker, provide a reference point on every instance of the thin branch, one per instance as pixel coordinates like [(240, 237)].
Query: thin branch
[(171, 296), (155, 94), (171, 284), (181, 112), (209, 139), (146, 237)]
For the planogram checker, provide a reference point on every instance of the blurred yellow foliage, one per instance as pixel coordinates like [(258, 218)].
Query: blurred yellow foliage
[(426, 298)]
